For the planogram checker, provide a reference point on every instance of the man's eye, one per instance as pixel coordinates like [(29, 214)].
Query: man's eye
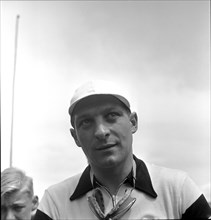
[(85, 122), (112, 115)]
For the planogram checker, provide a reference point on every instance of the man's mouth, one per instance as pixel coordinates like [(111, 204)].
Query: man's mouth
[(105, 146)]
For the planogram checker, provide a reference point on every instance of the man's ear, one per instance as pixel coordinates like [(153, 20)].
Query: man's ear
[(134, 122), (35, 203), (73, 133)]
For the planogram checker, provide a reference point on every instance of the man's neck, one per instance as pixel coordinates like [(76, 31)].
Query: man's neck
[(112, 177)]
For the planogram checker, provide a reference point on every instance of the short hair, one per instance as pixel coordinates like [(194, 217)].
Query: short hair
[(13, 180)]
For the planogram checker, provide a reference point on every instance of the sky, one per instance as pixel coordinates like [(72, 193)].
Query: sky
[(158, 51)]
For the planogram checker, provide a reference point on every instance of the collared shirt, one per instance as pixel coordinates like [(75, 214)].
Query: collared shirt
[(160, 193)]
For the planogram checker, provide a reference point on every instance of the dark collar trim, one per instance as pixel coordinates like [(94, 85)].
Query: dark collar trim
[(142, 183), (84, 185)]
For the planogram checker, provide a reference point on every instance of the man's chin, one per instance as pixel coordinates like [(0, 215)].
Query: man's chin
[(110, 162)]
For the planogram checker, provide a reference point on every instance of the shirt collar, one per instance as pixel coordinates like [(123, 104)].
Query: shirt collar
[(142, 181), (84, 185)]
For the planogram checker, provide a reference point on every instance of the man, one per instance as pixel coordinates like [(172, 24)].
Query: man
[(17, 195), (116, 184)]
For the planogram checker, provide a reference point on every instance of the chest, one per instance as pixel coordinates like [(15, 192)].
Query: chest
[(144, 207)]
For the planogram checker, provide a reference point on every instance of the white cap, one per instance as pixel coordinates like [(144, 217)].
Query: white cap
[(97, 88)]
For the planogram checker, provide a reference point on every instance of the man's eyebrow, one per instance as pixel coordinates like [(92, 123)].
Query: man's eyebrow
[(82, 116), (113, 108), (105, 110)]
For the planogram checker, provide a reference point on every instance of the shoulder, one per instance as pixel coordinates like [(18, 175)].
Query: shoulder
[(174, 184), (159, 173), (174, 181), (166, 175), (65, 187), (57, 196)]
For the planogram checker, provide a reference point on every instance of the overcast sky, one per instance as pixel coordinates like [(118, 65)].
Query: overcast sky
[(159, 51)]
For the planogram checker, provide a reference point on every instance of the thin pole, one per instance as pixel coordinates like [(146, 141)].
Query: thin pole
[(13, 87)]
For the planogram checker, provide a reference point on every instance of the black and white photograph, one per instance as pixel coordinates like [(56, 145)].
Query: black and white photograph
[(105, 109)]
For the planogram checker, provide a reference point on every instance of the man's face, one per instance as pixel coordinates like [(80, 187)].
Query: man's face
[(17, 205), (103, 128)]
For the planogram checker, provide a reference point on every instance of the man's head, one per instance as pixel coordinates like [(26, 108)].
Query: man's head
[(17, 195), (97, 87), (103, 124)]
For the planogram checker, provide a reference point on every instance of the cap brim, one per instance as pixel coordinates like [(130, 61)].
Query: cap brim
[(119, 97)]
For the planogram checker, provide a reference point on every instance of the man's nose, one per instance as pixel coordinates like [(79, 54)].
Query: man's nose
[(102, 131), (10, 215)]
